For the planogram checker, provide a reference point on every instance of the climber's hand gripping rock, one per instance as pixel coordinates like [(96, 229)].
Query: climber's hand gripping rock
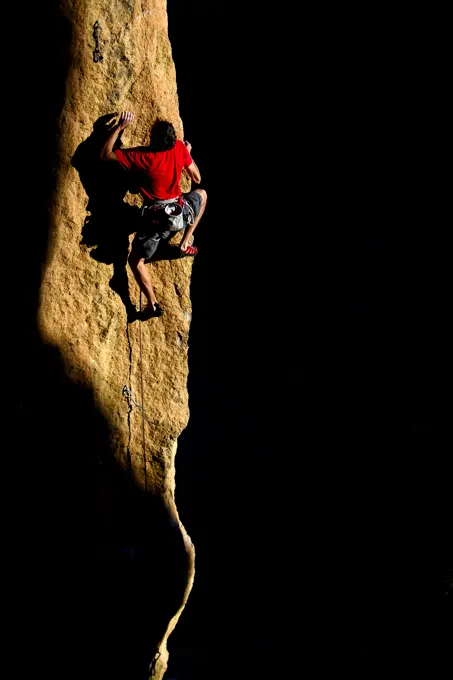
[(126, 118)]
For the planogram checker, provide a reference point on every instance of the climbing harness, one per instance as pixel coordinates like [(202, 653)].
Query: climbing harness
[(165, 214), (168, 213)]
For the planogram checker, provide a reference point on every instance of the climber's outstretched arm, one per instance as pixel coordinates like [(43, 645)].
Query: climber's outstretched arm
[(107, 152)]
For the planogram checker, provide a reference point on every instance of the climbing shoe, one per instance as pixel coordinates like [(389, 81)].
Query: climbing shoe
[(189, 251), (149, 312)]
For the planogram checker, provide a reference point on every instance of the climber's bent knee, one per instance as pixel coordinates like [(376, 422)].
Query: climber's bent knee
[(203, 194), (196, 199)]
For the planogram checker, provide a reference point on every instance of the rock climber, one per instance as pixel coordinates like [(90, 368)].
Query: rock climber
[(157, 171)]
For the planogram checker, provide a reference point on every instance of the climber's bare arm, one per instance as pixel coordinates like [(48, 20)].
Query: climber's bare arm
[(192, 169), (107, 152), (194, 173)]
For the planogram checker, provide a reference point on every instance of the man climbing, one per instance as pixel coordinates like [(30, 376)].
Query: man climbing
[(157, 172)]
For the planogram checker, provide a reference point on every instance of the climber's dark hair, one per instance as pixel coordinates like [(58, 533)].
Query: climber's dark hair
[(163, 136)]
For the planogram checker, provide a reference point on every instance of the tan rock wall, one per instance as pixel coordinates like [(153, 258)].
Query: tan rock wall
[(79, 312)]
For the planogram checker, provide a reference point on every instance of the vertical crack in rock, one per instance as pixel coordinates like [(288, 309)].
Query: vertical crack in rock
[(129, 460), (77, 305)]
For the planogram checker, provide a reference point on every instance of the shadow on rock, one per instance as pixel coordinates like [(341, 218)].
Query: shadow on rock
[(110, 220), (102, 563)]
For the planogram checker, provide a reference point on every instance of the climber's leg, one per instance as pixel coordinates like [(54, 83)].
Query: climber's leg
[(142, 277), (197, 200)]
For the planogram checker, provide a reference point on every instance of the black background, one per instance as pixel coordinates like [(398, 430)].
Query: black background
[(314, 476)]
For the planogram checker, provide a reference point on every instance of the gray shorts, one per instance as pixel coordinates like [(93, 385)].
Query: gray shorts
[(146, 243)]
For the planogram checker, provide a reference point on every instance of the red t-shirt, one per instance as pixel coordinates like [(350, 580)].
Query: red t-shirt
[(158, 173)]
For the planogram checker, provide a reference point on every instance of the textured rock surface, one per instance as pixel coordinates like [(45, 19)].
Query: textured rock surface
[(81, 311)]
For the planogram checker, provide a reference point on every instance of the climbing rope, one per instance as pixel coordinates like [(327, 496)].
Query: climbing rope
[(141, 379), (127, 392)]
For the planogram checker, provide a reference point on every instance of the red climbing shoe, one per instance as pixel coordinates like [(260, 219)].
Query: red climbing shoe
[(189, 251), (149, 312)]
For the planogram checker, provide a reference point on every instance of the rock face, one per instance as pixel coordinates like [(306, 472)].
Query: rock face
[(120, 59)]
